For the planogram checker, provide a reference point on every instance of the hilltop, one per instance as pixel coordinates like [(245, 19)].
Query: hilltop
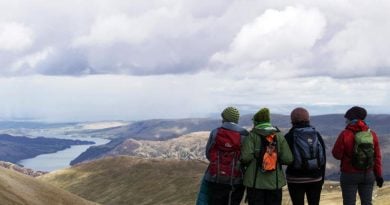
[(124, 180), (19, 189), (130, 180)]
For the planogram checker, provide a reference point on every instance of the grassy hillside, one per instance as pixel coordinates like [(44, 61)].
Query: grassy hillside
[(129, 180), (19, 189)]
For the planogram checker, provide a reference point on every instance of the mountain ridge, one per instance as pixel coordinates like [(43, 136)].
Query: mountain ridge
[(19, 189)]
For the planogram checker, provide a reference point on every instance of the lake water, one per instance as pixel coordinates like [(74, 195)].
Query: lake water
[(60, 159)]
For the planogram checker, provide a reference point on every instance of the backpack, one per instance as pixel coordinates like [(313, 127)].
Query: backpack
[(307, 149), (269, 154), (363, 151), (225, 155)]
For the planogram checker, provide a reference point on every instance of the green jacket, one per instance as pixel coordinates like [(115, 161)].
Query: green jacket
[(252, 144)]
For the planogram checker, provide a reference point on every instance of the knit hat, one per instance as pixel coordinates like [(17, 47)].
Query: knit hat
[(262, 116), (299, 114), (356, 113), (230, 114)]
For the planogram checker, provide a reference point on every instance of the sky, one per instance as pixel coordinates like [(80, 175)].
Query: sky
[(94, 60)]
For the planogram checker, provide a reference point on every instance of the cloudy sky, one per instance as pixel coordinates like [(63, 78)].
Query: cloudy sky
[(79, 60)]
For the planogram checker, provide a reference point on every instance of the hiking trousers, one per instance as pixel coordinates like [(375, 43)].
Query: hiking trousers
[(363, 183), (264, 196), (220, 194), (312, 190)]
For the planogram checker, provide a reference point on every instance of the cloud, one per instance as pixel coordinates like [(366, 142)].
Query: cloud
[(275, 43), (285, 39), (26, 63), (118, 28), (360, 49), (15, 37)]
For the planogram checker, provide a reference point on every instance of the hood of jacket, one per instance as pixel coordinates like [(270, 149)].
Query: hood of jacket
[(265, 129)]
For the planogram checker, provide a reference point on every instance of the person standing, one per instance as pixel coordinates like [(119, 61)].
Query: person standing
[(264, 151), (305, 176), (357, 147), (224, 173)]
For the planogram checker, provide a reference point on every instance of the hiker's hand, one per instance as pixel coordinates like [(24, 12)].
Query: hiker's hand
[(379, 181)]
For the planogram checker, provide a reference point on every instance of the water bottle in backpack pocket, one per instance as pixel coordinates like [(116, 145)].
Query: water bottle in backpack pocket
[(307, 149)]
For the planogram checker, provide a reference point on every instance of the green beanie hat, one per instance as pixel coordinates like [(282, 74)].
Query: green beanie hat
[(230, 114), (262, 116)]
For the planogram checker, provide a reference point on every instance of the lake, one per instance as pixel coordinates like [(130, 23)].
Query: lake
[(60, 159)]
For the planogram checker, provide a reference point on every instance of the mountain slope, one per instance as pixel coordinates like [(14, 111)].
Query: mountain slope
[(22, 170), (18, 189), (189, 146), (130, 180)]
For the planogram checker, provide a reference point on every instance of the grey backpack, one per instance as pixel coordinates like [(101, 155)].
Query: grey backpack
[(307, 149)]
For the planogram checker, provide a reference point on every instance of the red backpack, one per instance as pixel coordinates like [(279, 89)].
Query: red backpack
[(225, 154)]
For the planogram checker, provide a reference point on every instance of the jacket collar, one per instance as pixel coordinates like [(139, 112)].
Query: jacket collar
[(357, 126)]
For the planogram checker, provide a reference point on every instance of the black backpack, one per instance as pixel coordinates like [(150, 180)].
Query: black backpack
[(307, 149)]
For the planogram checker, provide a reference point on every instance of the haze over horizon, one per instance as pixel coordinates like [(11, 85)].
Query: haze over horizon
[(132, 60)]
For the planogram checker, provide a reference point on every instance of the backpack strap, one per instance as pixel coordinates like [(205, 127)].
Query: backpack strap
[(257, 161)]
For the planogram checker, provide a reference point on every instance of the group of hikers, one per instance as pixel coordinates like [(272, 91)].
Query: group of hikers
[(252, 161)]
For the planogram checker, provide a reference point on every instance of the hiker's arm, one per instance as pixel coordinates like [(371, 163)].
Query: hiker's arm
[(247, 149), (286, 155), (378, 157), (338, 147), (323, 167), (210, 143)]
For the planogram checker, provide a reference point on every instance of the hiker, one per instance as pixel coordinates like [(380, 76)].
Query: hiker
[(306, 174), (358, 149), (223, 178), (264, 151)]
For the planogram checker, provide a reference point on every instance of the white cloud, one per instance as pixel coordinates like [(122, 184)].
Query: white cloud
[(360, 49), (161, 22), (15, 36), (278, 38), (118, 28)]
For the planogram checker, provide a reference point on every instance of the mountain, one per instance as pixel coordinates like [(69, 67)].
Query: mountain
[(19, 189), (126, 180), (157, 129), (129, 180), (186, 147), (15, 148)]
